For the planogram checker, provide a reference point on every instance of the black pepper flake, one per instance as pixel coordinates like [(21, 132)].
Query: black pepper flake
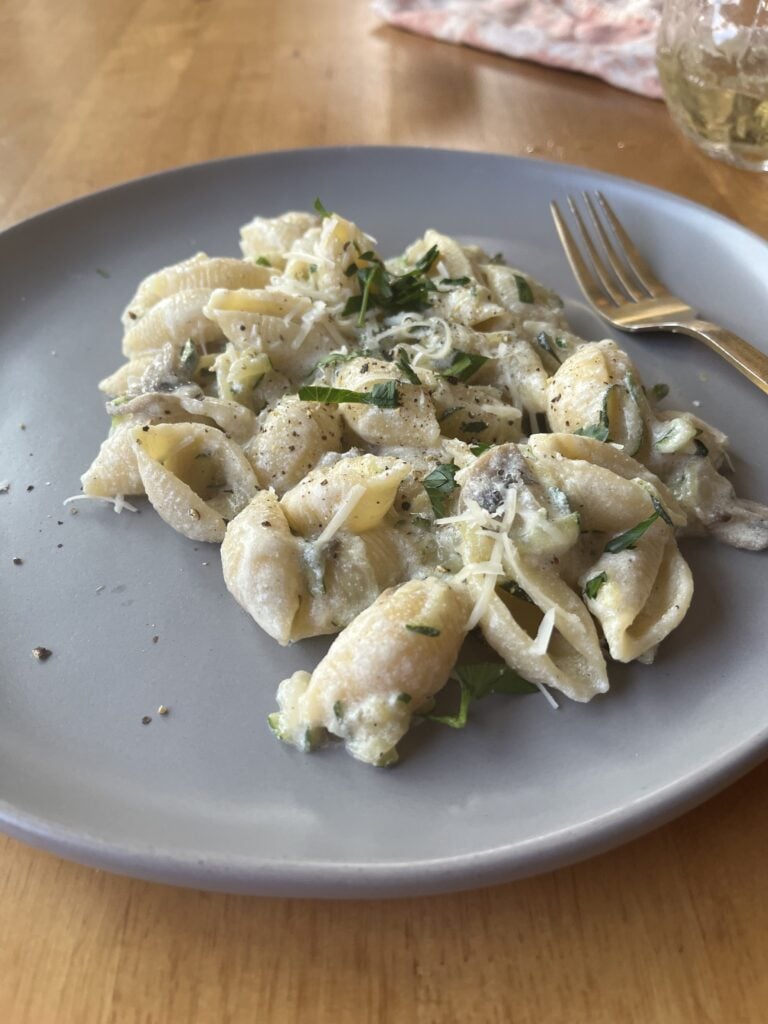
[(146, 720), (30, 487), (41, 653), (145, 428), (59, 545), (155, 639), (266, 523), (59, 522), (17, 561)]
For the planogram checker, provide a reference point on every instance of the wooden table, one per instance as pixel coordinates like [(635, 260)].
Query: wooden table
[(671, 928)]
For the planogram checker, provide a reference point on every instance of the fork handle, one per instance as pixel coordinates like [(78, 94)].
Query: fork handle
[(730, 346)]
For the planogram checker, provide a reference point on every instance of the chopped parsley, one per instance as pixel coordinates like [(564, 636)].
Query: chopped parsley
[(422, 630), (464, 366), (262, 261), (404, 363), (455, 282), (439, 484), (659, 391), (474, 426), (480, 449), (592, 587), (389, 292), (478, 681), (385, 396), (321, 209), (628, 540), (600, 430), (404, 698), (524, 290), (338, 710)]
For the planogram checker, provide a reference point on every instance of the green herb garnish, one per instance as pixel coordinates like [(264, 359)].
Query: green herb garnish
[(600, 430), (339, 357), (524, 291), (660, 391), (404, 698), (592, 587), (385, 396), (422, 630), (447, 413), (439, 484), (338, 710), (478, 681), (404, 363), (455, 282), (628, 540), (464, 366), (474, 427), (262, 261), (480, 449), (389, 292), (321, 209)]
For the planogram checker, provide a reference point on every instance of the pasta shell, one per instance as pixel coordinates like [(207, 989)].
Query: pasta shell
[(377, 672), (291, 440), (173, 319), (194, 476), (197, 272), (262, 566), (323, 494)]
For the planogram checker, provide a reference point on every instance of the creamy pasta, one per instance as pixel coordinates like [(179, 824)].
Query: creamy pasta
[(401, 452)]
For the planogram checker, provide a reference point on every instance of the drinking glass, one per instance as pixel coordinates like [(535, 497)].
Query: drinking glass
[(712, 57)]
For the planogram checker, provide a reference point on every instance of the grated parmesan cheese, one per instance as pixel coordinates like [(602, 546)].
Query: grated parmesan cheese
[(340, 516)]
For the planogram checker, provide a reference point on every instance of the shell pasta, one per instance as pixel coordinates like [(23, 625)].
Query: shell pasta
[(402, 452)]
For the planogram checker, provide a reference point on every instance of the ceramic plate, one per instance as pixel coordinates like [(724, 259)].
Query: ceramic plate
[(205, 796)]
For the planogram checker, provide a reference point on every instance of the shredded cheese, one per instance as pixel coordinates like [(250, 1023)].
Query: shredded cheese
[(340, 516), (118, 501)]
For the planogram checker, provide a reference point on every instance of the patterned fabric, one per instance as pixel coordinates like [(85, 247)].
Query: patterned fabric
[(613, 39)]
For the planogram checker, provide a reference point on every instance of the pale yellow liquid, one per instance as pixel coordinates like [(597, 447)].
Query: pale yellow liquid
[(723, 110)]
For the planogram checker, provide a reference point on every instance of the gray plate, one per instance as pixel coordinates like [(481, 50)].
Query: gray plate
[(206, 796)]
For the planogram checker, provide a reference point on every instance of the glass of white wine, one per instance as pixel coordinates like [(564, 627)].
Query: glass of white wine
[(712, 57)]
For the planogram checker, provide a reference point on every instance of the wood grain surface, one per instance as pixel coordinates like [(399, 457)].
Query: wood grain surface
[(671, 928)]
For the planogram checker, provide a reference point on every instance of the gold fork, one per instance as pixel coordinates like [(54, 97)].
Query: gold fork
[(624, 290)]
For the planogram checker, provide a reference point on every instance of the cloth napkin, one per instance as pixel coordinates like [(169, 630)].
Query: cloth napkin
[(611, 39)]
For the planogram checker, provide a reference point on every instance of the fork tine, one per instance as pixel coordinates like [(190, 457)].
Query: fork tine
[(611, 255), (579, 267), (642, 271), (600, 268)]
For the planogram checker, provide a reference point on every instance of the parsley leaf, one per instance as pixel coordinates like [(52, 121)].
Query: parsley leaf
[(385, 396), (592, 587), (422, 630), (439, 484), (455, 282), (464, 366), (262, 261), (404, 363), (478, 681), (480, 449), (600, 430), (389, 292), (321, 209), (474, 426), (628, 540), (660, 391), (524, 291)]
